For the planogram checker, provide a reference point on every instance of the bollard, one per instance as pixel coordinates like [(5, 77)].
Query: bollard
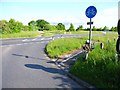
[(98, 40), (108, 41), (101, 45), (114, 39)]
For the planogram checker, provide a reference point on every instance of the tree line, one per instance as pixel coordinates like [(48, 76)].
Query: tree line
[(13, 26)]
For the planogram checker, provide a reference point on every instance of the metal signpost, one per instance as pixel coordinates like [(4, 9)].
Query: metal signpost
[(90, 13)]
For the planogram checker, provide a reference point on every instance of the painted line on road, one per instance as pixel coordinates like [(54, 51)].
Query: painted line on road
[(24, 44), (34, 39), (24, 40), (6, 45), (42, 38)]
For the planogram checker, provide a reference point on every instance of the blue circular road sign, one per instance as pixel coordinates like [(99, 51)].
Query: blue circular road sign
[(91, 11)]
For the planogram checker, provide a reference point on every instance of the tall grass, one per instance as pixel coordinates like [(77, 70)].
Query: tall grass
[(101, 68), (22, 34)]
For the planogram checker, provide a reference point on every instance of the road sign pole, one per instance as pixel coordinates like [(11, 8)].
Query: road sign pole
[(90, 34), (90, 13)]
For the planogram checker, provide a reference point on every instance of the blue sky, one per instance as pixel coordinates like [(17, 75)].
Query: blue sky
[(64, 11)]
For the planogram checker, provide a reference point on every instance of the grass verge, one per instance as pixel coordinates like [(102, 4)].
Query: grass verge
[(100, 69), (22, 34), (62, 46)]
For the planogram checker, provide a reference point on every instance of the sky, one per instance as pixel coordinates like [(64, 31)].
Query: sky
[(61, 11)]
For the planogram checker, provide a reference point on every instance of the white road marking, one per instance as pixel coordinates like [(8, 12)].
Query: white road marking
[(24, 40), (24, 44), (42, 38), (49, 38), (18, 44), (34, 39)]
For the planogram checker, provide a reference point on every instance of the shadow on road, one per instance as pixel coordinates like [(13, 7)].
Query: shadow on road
[(46, 69), (26, 56), (66, 83)]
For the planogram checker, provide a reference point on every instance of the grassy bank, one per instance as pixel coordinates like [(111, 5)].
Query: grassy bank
[(65, 45), (73, 32), (22, 34), (48, 34), (100, 69), (62, 46)]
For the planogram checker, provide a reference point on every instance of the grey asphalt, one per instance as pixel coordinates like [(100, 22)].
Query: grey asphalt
[(25, 65)]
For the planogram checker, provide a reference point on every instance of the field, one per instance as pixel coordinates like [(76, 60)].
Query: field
[(101, 69), (72, 32), (22, 34)]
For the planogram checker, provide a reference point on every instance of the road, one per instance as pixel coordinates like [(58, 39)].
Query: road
[(25, 65)]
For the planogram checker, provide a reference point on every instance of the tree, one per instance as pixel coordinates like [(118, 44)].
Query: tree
[(41, 24), (71, 28), (113, 29), (4, 27), (99, 29), (105, 28), (14, 26), (25, 28), (32, 25), (94, 28), (79, 28), (60, 26), (50, 27)]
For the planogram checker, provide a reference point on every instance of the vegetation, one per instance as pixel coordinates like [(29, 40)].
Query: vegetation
[(100, 69), (22, 34), (65, 45), (79, 28), (13, 26), (101, 65), (71, 28), (41, 24), (9, 29), (60, 26), (48, 34)]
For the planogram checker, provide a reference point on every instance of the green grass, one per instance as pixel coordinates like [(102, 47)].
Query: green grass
[(23, 34), (61, 46), (76, 32), (109, 36), (84, 32), (48, 34), (65, 45), (101, 68)]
